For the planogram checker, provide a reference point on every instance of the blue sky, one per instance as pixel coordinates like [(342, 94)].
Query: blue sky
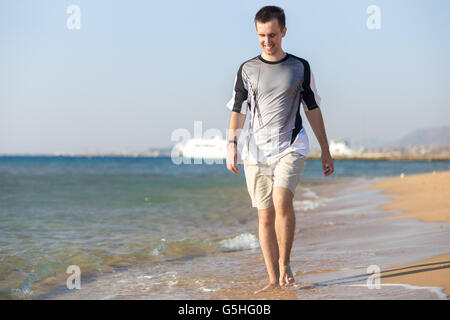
[(137, 70)]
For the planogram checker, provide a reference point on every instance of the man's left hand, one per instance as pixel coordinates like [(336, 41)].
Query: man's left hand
[(327, 163)]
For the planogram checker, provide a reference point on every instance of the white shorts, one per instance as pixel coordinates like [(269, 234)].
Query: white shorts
[(283, 172)]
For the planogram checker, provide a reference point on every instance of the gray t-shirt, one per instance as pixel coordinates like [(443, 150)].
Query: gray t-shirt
[(271, 93)]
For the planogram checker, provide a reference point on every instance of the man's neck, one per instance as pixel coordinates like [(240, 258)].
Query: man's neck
[(276, 57)]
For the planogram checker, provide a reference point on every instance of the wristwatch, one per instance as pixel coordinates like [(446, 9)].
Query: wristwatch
[(232, 141)]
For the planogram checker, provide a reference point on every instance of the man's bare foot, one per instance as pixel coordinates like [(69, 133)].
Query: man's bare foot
[(286, 276), (270, 286)]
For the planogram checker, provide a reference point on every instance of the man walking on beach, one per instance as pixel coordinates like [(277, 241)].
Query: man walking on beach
[(269, 89)]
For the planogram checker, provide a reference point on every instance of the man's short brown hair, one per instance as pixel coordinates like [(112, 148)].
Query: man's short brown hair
[(267, 13)]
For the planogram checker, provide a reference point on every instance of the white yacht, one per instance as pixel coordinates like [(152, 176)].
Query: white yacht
[(341, 147), (215, 148)]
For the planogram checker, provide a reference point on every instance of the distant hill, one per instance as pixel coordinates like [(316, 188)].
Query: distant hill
[(370, 142), (431, 140), (435, 136)]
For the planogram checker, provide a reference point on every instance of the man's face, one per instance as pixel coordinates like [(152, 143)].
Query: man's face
[(269, 36)]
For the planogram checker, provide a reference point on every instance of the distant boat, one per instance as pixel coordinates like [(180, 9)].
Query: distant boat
[(215, 148), (341, 147)]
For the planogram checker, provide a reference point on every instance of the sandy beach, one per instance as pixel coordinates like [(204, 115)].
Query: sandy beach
[(422, 196), (425, 197)]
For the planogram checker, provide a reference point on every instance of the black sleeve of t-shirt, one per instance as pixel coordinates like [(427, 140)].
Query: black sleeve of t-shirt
[(308, 94), (240, 93)]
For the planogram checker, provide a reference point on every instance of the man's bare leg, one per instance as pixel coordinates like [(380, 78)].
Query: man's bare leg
[(269, 245), (285, 229)]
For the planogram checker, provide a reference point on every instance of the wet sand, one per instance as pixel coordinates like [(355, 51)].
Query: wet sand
[(425, 197)]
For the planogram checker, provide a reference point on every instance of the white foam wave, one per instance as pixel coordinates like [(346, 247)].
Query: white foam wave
[(243, 241), (311, 201), (436, 290), (161, 247), (145, 277), (308, 193), (204, 289), (306, 205)]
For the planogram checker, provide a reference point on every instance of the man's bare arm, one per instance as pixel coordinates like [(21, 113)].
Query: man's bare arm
[(236, 124), (316, 121), (237, 121), (317, 124)]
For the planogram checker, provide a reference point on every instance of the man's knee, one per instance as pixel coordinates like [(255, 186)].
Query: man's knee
[(282, 199), (266, 217)]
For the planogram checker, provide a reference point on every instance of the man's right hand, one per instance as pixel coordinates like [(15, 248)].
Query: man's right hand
[(232, 158)]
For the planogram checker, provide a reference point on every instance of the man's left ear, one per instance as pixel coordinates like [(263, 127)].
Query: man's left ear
[(283, 33)]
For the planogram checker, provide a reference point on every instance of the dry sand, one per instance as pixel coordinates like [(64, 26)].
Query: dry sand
[(425, 197)]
